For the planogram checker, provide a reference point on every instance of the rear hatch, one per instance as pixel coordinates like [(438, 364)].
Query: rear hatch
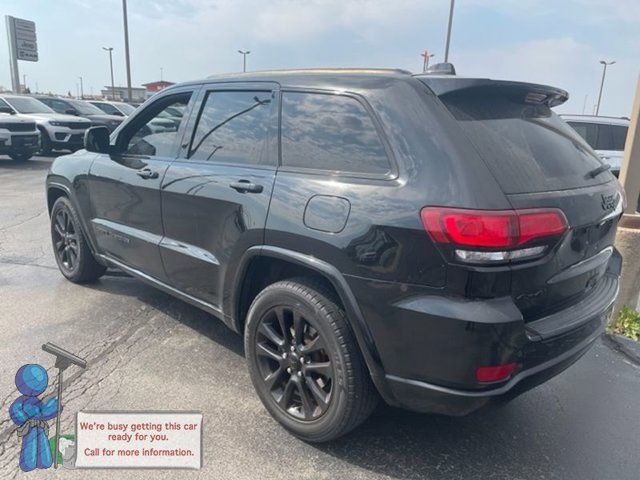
[(540, 162)]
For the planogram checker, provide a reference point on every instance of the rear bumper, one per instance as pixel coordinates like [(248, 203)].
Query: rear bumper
[(425, 397), (429, 346)]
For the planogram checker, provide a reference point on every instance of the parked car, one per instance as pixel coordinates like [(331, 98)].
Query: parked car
[(19, 137), (57, 131), (80, 108), (123, 109), (606, 135), (439, 242), (120, 109)]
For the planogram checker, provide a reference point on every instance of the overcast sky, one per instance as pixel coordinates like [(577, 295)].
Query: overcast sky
[(544, 41)]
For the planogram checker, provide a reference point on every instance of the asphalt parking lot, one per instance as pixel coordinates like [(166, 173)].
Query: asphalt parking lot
[(149, 351)]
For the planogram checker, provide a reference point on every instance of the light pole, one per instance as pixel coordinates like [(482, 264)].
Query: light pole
[(426, 56), (446, 48), (126, 48), (244, 54), (81, 89), (604, 72), (24, 83), (113, 88)]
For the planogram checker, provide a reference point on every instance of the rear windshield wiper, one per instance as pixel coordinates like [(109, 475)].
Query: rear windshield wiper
[(597, 171)]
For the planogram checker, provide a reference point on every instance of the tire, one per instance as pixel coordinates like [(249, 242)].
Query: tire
[(70, 248), (326, 362), (20, 156), (46, 147)]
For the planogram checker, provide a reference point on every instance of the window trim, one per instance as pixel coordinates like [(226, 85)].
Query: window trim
[(393, 165)]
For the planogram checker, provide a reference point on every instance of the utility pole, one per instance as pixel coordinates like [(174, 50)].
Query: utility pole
[(113, 88), (426, 56), (81, 89), (244, 54), (13, 57), (604, 72), (24, 83), (446, 48), (160, 73), (126, 48)]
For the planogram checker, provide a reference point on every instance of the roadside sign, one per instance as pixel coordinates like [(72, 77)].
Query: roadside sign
[(23, 35)]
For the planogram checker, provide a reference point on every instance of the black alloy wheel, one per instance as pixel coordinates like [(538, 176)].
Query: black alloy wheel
[(294, 363), (73, 255), (65, 240)]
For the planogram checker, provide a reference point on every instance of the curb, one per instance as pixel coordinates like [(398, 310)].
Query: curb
[(623, 345)]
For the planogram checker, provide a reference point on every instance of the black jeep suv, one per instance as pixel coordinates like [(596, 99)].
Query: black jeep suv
[(433, 240)]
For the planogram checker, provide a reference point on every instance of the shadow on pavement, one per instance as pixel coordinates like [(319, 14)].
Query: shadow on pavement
[(119, 283), (33, 164)]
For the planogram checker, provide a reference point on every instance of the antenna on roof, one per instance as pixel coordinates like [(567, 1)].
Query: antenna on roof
[(443, 68)]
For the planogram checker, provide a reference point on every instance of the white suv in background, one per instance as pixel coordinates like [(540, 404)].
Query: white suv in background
[(57, 131), (19, 137), (606, 135)]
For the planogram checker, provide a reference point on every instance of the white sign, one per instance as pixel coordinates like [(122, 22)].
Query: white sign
[(24, 38), (139, 440)]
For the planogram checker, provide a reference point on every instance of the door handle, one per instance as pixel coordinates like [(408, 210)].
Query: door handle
[(147, 173), (245, 186)]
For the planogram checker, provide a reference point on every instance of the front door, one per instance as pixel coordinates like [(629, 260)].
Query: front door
[(124, 187), (215, 197)]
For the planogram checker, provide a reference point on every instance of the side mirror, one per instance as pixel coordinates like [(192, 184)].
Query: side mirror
[(96, 139), (118, 114), (7, 109), (71, 111)]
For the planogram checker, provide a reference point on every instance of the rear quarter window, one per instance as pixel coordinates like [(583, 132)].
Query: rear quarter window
[(330, 132), (528, 148)]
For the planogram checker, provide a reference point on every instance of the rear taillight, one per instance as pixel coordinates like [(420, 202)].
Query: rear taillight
[(491, 236), (495, 373)]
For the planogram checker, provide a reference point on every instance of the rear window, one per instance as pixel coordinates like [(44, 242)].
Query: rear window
[(528, 148)]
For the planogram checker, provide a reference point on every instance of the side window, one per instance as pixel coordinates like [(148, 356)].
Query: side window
[(588, 131), (604, 137), (4, 104), (106, 108), (57, 105), (232, 128), (330, 132), (153, 133), (619, 137)]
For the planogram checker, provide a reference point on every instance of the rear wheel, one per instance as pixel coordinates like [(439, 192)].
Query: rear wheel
[(20, 156), (73, 256), (304, 361)]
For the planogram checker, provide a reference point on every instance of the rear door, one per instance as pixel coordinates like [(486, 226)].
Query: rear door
[(540, 162), (125, 187), (215, 197)]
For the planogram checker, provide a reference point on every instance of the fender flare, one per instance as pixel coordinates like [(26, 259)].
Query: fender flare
[(355, 318), (56, 185)]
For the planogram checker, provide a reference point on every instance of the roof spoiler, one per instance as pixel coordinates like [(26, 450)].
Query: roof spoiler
[(531, 93)]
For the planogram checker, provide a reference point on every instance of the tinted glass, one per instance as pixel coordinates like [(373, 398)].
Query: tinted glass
[(150, 138), (106, 108), (588, 131), (528, 148), (232, 128), (125, 108), (27, 105), (619, 137), (604, 140), (330, 132), (85, 108), (59, 106)]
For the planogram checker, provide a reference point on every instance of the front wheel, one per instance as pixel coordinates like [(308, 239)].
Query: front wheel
[(73, 255), (20, 156), (304, 361), (46, 147)]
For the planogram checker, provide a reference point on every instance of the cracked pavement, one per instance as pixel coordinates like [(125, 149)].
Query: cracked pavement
[(149, 351)]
